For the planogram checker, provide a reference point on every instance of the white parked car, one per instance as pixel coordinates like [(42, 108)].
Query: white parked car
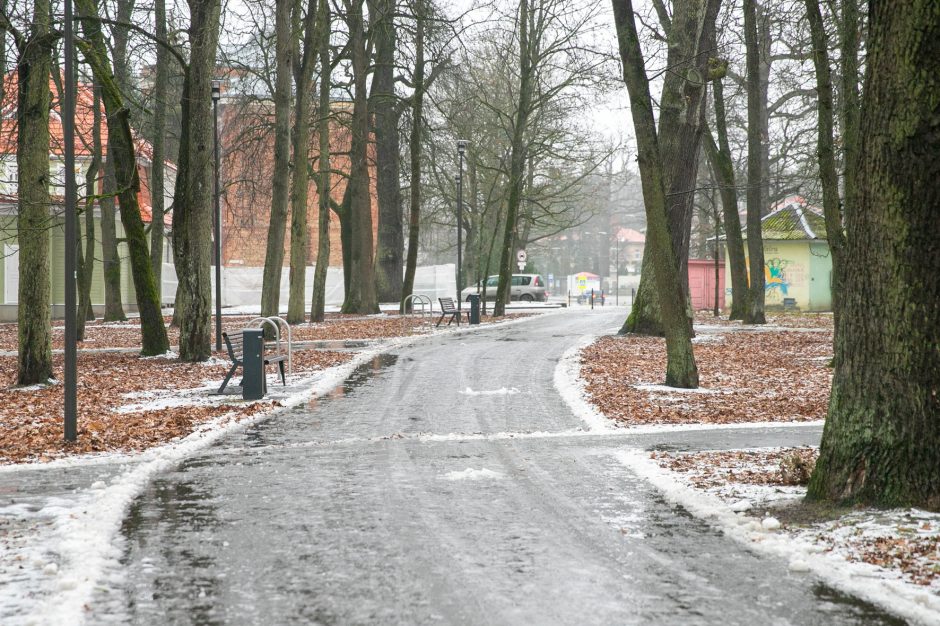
[(524, 287)]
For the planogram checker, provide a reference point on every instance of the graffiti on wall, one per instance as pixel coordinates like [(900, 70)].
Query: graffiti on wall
[(775, 276)]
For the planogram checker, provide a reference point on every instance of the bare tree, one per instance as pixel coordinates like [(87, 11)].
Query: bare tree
[(681, 370)]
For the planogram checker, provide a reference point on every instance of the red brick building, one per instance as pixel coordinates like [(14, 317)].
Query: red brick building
[(247, 169)]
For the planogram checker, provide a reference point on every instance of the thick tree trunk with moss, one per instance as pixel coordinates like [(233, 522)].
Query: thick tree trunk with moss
[(755, 242), (323, 163), (720, 157), (192, 201), (384, 107), (681, 370), (32, 180), (280, 179), (882, 436), (153, 333), (360, 296), (689, 32)]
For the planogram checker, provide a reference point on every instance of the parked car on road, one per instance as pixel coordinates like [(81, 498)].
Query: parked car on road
[(523, 287)]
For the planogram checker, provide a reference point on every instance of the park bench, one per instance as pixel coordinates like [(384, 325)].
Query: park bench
[(235, 344), (449, 308)]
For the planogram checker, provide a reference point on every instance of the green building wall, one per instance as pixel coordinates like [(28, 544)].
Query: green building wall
[(799, 270), (57, 262)]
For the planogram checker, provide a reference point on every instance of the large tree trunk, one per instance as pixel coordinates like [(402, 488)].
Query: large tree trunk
[(384, 107), (414, 149), (303, 64), (361, 296), (882, 433), (323, 164), (681, 370), (280, 180), (32, 180), (153, 332), (720, 157), (825, 152), (517, 159), (157, 185), (679, 138), (192, 200), (754, 195)]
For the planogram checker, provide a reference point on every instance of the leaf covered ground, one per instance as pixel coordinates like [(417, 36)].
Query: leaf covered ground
[(904, 543), (128, 403), (745, 376)]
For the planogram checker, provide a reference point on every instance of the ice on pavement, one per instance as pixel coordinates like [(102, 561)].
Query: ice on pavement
[(473, 474), (502, 391)]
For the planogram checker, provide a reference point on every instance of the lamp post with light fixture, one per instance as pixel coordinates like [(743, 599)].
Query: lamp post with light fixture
[(216, 95), (461, 149)]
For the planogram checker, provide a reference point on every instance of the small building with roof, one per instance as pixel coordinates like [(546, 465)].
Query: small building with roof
[(797, 262)]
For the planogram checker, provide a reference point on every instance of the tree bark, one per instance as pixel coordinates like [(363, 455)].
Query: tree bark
[(720, 157), (323, 164), (383, 104), (517, 159), (153, 333), (850, 99), (111, 262), (680, 130), (681, 370), (192, 200), (361, 296), (825, 152), (414, 151), (755, 243), (882, 433), (280, 181), (34, 329), (86, 267), (303, 64), (157, 184)]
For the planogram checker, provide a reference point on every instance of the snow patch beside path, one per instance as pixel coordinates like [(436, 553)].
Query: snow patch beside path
[(570, 387), (858, 579)]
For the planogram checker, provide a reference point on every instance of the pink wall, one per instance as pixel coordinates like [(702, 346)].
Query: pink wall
[(702, 283)]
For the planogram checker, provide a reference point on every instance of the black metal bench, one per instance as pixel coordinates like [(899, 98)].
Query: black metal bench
[(235, 344), (449, 308)]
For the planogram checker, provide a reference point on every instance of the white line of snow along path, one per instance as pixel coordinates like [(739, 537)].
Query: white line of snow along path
[(858, 579)]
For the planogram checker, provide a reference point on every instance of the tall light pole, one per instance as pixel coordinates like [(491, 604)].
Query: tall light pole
[(70, 406), (461, 149), (216, 95)]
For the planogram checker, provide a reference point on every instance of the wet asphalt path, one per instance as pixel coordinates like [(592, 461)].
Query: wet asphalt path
[(359, 509)]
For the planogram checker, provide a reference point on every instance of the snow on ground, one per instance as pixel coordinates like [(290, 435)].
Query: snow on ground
[(833, 551), (570, 387), (59, 551), (502, 391), (473, 474)]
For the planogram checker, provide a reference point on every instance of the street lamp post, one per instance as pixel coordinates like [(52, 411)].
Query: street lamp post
[(461, 149), (216, 95)]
